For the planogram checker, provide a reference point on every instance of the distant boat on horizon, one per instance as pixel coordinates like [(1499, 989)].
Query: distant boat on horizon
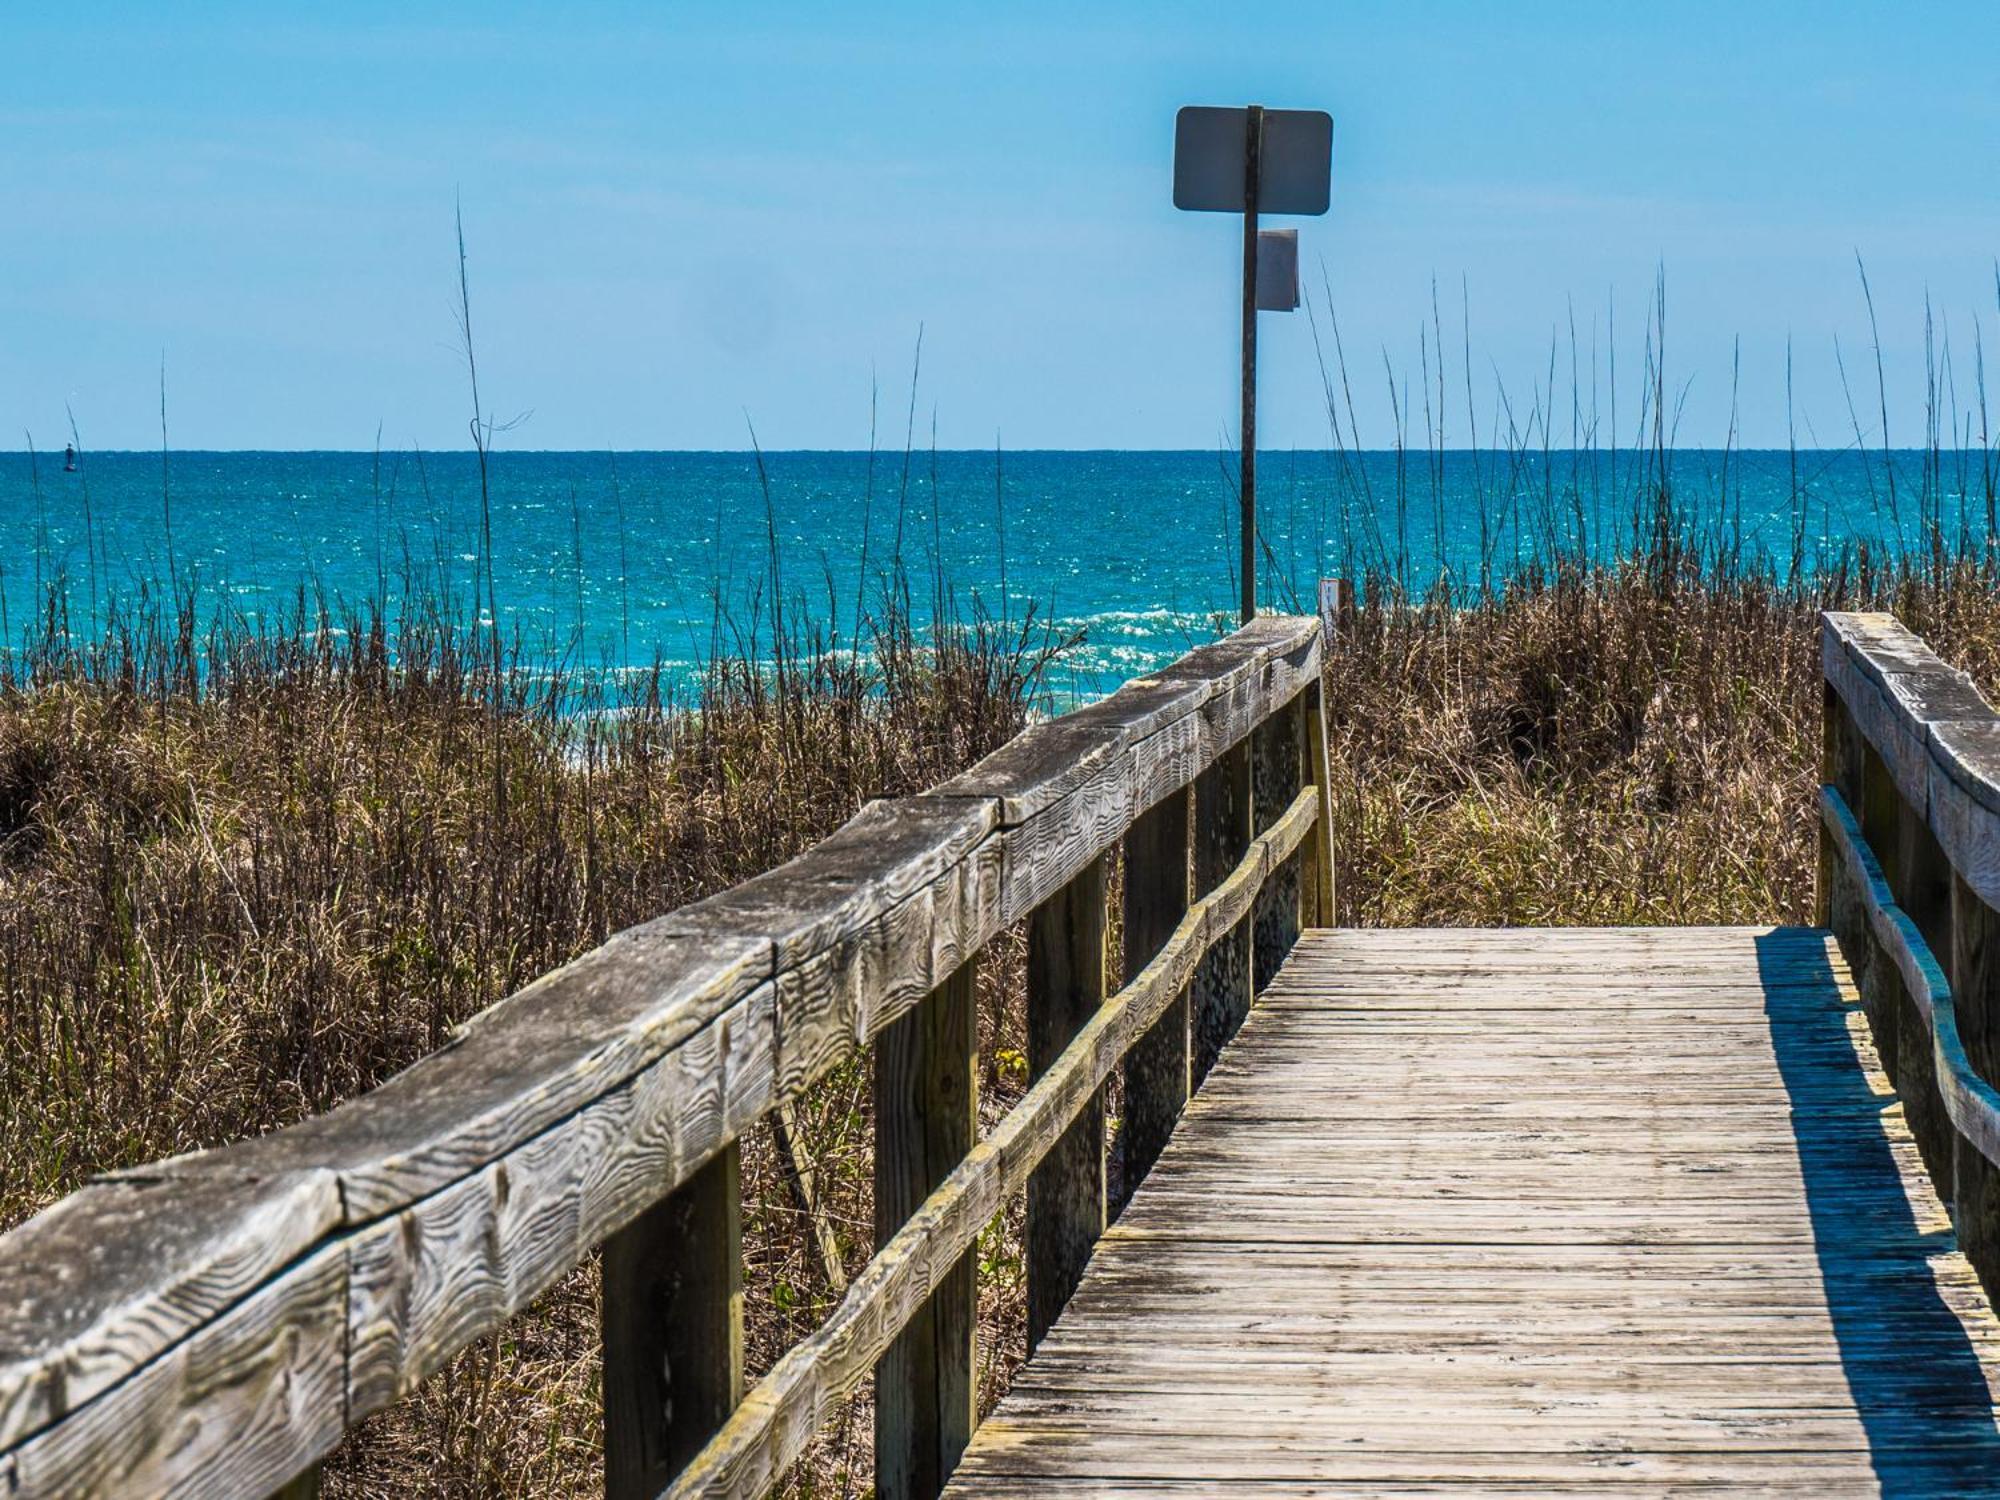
[(69, 458)]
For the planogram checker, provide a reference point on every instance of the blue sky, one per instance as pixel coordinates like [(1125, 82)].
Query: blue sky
[(679, 213)]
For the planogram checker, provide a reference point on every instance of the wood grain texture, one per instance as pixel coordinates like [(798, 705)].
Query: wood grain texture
[(460, 1262), (1933, 738), (239, 1407), (1646, 1220), (1225, 688), (1896, 690), (1965, 801), (549, 1051), (1066, 1203), (114, 1275), (465, 1185)]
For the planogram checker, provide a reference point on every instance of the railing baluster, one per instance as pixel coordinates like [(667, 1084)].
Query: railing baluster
[(1840, 768), (1156, 1069), (1842, 758), (1066, 1193), (1223, 809), (1277, 752), (1317, 895), (673, 1329), (926, 1118)]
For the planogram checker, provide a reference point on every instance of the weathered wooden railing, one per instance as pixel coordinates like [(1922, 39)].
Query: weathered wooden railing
[(1910, 883), (213, 1324)]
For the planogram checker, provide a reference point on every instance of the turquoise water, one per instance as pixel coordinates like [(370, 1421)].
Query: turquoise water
[(628, 558)]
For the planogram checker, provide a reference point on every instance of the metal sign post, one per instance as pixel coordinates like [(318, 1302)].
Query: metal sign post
[(1246, 490), (1253, 161)]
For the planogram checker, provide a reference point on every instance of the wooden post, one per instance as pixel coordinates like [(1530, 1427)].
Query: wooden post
[(673, 1329), (1156, 1069), (1277, 755), (1319, 891), (926, 1118), (1922, 883), (1222, 833), (1253, 150), (1066, 1205), (305, 1486), (1336, 605), (1842, 768), (1975, 988), (1881, 814), (1830, 714)]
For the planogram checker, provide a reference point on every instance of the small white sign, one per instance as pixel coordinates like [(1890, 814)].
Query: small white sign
[(1277, 270)]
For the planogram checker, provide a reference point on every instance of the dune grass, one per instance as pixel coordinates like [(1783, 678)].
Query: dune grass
[(1602, 748), (247, 873)]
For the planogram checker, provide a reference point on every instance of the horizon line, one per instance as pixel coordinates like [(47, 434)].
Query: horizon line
[(884, 452)]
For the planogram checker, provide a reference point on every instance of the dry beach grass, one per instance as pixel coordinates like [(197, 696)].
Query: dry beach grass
[(1591, 747), (249, 873)]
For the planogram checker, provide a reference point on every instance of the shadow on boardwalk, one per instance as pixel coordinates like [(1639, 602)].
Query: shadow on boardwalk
[(1916, 1379)]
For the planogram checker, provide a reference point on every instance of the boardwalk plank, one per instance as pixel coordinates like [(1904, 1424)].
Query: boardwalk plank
[(1546, 1213)]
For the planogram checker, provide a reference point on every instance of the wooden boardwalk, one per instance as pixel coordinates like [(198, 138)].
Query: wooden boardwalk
[(1532, 1213)]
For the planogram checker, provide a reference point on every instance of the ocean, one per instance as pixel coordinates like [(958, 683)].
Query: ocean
[(627, 559)]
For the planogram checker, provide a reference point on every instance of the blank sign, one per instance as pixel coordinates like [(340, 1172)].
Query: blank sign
[(1277, 270), (1295, 169)]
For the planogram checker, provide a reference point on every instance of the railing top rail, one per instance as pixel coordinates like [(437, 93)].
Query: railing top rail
[(262, 1297), (1938, 737)]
